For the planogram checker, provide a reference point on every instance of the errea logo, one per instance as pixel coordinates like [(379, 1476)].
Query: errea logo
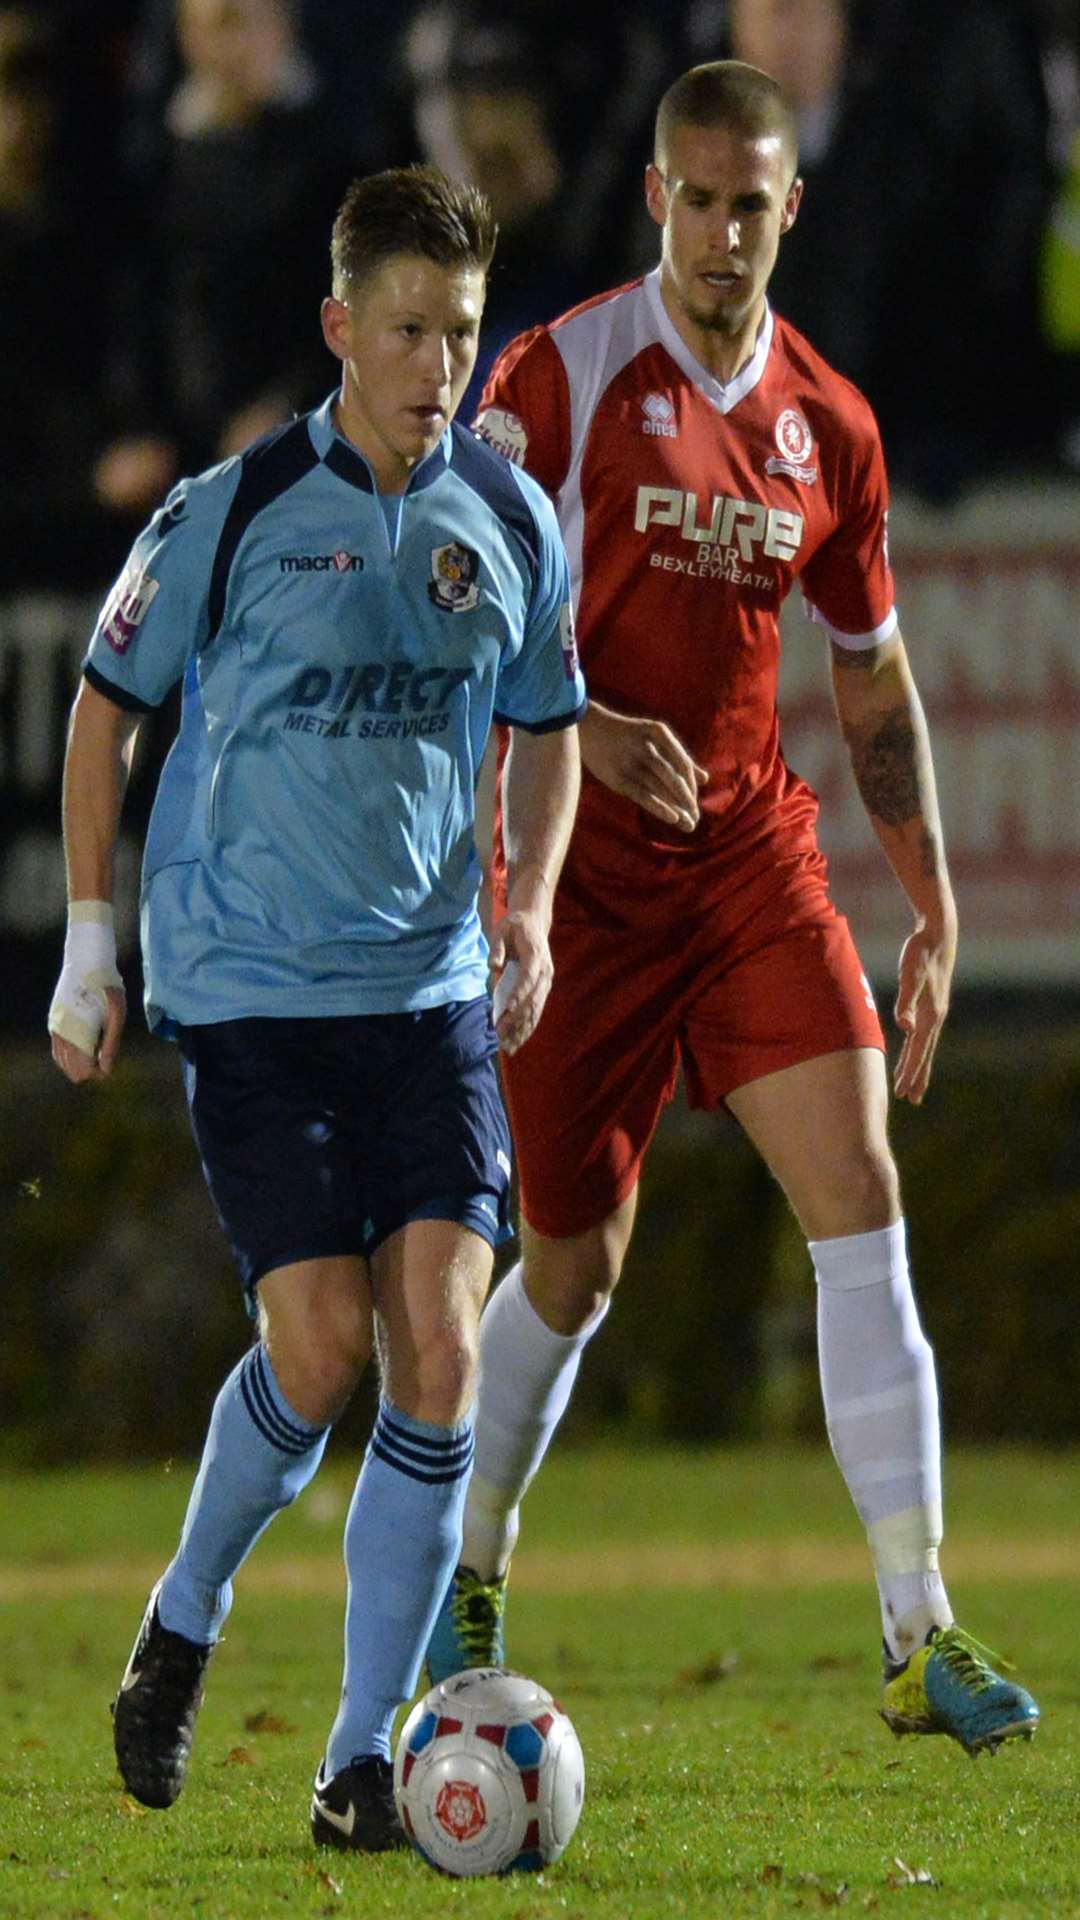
[(340, 562), (659, 415)]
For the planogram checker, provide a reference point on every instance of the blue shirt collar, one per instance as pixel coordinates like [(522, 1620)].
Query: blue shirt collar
[(349, 464)]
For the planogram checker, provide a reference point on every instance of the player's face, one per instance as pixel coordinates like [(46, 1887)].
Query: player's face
[(723, 201), (407, 338)]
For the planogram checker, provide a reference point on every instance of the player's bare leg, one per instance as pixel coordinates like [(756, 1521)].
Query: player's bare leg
[(821, 1128), (315, 1323)]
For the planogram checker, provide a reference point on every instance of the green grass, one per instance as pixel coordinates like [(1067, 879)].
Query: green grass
[(735, 1762)]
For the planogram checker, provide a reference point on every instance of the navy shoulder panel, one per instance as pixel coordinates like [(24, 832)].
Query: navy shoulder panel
[(119, 696), (269, 468), (489, 475)]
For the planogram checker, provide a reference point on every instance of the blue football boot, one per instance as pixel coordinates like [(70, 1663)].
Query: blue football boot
[(949, 1687), (468, 1631)]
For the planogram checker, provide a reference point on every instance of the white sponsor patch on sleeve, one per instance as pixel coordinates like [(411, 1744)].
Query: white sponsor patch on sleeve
[(127, 606), (567, 640), (503, 431)]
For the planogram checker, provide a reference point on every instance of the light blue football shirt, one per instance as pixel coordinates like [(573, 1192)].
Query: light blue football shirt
[(311, 848)]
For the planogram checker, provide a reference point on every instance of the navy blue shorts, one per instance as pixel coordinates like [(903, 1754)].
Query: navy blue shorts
[(323, 1137)]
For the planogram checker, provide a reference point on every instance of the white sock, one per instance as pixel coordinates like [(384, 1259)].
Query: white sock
[(881, 1410), (527, 1375)]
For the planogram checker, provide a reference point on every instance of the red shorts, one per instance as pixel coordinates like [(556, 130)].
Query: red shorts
[(766, 978)]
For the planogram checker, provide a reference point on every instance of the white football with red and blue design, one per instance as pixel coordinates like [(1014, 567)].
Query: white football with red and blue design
[(489, 1775)]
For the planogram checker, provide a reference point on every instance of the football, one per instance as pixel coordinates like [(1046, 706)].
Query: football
[(489, 1775)]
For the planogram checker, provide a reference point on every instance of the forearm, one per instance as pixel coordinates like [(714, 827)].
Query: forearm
[(883, 723), (100, 743), (541, 782)]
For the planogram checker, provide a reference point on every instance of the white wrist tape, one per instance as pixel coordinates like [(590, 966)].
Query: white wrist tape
[(79, 1005), (504, 987)]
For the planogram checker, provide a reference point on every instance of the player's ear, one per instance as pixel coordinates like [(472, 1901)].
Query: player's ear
[(656, 195), (336, 326), (791, 205)]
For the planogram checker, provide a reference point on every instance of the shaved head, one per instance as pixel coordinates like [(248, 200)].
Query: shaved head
[(730, 94)]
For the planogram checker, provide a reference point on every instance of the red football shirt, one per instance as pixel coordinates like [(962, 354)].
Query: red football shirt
[(689, 508)]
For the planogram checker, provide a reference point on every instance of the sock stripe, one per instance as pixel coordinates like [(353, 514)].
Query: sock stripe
[(438, 1463), (407, 1438), (273, 1426), (452, 1457), (460, 1458), (429, 1479), (447, 1457), (293, 1438)]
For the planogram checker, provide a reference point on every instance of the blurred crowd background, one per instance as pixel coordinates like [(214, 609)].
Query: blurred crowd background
[(169, 170)]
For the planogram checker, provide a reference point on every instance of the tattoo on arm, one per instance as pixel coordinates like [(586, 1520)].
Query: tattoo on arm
[(930, 847), (886, 770)]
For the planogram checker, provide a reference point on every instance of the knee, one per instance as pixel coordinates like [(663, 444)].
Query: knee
[(569, 1282), (318, 1358), (858, 1192), (445, 1369)]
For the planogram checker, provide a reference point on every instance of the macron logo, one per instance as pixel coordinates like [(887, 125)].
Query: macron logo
[(340, 562)]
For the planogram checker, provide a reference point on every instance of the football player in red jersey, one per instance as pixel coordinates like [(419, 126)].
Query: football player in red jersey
[(703, 457)]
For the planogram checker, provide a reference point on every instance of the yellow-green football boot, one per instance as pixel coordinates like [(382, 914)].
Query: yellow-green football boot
[(948, 1686), (468, 1630)]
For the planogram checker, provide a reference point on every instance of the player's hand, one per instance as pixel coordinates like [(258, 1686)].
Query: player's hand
[(645, 762), (922, 1002), (521, 964), (89, 1007)]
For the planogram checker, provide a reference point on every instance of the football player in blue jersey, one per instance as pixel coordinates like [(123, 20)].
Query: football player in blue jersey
[(349, 605)]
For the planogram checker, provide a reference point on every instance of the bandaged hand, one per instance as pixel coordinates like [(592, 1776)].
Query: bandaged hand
[(80, 1009)]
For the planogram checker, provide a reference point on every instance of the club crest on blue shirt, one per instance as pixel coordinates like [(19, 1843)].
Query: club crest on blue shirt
[(453, 578)]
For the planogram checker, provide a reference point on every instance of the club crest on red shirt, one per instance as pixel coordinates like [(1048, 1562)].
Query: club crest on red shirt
[(796, 444)]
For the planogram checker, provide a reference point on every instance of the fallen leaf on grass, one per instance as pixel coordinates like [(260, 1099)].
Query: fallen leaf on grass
[(717, 1667), (130, 1808), (266, 1722), (239, 1757), (772, 1871), (312, 1871), (827, 1896), (906, 1876)]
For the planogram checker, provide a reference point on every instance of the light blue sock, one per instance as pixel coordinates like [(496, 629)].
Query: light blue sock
[(402, 1541), (258, 1456)]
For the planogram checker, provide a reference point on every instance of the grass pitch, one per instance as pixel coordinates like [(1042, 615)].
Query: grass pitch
[(706, 1618)]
